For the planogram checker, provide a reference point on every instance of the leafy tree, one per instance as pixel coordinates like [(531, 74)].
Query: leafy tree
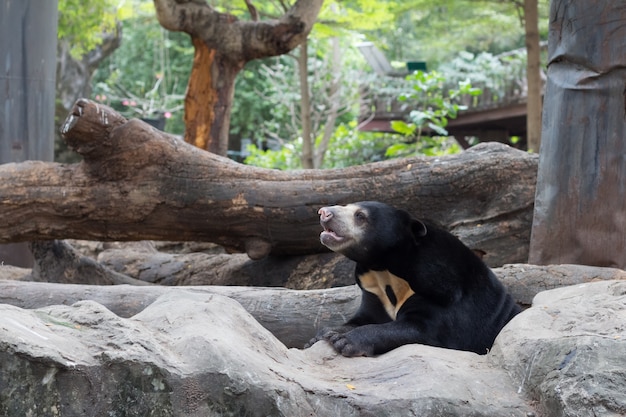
[(223, 44), (329, 96), (146, 77), (348, 146), (435, 31), (266, 104), (253, 111), (429, 31), (83, 23), (434, 107), (340, 18), (430, 93)]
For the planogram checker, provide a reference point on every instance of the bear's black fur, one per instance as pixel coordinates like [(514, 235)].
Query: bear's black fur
[(420, 284)]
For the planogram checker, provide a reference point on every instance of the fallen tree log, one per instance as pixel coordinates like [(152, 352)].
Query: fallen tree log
[(57, 262), (137, 183), (293, 316), (139, 263), (315, 271)]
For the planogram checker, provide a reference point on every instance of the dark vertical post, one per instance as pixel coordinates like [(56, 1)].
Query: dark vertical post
[(28, 33), (580, 205)]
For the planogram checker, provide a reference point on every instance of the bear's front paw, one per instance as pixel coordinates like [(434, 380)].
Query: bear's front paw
[(323, 334), (348, 346), (311, 342)]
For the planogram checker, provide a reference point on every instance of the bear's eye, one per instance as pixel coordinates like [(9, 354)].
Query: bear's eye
[(360, 216)]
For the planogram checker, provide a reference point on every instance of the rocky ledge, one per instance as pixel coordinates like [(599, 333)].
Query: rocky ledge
[(196, 354)]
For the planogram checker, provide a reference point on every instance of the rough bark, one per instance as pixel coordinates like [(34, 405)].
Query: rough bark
[(580, 212), (73, 80), (136, 183), (323, 270), (58, 262), (315, 271), (533, 76), (139, 263), (223, 44), (209, 98)]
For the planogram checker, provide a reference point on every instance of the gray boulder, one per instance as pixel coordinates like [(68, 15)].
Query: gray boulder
[(195, 354), (568, 352)]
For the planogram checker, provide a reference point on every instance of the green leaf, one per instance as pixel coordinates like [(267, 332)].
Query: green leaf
[(440, 130), (396, 150), (420, 117), (403, 128)]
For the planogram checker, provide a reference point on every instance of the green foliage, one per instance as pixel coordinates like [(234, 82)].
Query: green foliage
[(435, 107), (356, 15), (426, 146), (435, 103), (435, 31), (287, 157), (147, 76), (83, 23), (267, 94), (499, 76), (153, 66), (251, 110), (348, 147)]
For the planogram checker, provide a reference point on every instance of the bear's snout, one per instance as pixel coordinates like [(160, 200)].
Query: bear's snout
[(325, 214)]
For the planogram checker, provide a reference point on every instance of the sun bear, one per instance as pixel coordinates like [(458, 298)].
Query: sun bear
[(420, 284)]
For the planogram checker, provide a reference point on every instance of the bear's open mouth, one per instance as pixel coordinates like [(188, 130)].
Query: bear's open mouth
[(329, 235), (332, 233)]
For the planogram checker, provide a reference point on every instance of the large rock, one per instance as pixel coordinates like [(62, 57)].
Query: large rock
[(195, 354), (568, 352)]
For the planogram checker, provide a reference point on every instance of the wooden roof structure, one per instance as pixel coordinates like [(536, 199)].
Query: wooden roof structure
[(493, 116)]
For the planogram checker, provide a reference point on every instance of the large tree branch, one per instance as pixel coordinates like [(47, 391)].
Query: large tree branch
[(241, 41), (138, 183), (185, 15)]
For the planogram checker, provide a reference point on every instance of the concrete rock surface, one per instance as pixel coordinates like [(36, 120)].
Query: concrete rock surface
[(191, 354), (568, 352)]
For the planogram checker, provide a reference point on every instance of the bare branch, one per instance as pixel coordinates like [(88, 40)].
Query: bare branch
[(254, 14)]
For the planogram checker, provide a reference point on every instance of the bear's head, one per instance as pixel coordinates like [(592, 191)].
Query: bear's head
[(367, 230)]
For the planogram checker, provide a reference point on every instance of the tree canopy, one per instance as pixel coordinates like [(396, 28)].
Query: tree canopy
[(266, 100), (83, 23)]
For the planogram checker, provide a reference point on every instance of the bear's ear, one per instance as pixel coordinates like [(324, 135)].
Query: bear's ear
[(418, 228)]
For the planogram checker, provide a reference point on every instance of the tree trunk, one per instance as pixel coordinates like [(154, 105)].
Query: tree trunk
[(139, 263), (209, 98), (223, 44), (333, 112), (137, 183), (73, 81), (533, 76), (316, 271), (27, 93), (580, 213), (58, 262), (308, 141)]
